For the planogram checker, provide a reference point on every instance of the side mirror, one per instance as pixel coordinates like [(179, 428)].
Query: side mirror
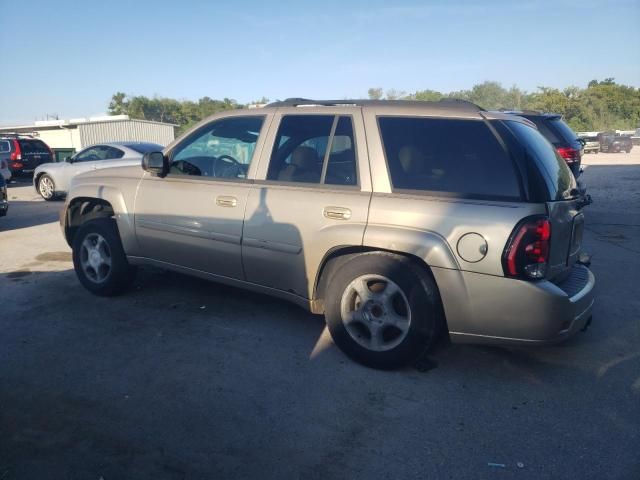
[(156, 163), (68, 159)]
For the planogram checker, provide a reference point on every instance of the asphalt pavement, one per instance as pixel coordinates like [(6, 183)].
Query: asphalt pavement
[(184, 379)]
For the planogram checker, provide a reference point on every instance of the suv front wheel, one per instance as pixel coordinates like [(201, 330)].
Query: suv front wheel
[(383, 310), (99, 259)]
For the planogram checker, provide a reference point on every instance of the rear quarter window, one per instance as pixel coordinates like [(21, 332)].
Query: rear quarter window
[(5, 146), (451, 157), (559, 179)]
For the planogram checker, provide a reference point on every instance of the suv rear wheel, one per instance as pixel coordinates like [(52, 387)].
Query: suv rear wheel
[(382, 310), (99, 259)]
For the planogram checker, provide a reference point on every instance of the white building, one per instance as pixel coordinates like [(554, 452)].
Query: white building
[(68, 136)]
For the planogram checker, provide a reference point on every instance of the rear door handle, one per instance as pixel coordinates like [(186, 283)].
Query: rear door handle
[(337, 213), (226, 201)]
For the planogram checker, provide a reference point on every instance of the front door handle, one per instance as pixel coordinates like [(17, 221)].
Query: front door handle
[(337, 213), (226, 201)]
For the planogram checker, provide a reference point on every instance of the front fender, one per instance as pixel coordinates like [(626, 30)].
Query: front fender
[(121, 204)]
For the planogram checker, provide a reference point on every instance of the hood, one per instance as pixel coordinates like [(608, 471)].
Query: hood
[(130, 171), (50, 166)]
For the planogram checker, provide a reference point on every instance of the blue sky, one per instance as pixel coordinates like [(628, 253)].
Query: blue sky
[(70, 57)]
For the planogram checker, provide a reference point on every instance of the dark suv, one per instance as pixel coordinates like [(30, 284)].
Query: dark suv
[(24, 153), (554, 129)]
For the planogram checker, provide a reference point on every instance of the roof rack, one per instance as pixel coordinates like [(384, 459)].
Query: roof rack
[(18, 134), (447, 102), (527, 112)]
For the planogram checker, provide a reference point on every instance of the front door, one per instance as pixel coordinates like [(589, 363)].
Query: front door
[(193, 217), (312, 194)]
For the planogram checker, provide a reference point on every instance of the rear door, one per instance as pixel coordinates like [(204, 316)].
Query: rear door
[(567, 222), (312, 194)]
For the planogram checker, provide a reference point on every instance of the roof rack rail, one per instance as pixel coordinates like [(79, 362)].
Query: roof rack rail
[(305, 102), (527, 112), (18, 134)]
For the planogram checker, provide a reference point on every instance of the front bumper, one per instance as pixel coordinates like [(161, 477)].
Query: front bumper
[(4, 207), (500, 310)]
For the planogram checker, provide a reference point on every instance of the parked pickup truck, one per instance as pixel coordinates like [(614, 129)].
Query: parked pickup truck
[(591, 143), (612, 143)]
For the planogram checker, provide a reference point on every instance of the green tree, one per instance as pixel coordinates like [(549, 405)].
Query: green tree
[(375, 93)]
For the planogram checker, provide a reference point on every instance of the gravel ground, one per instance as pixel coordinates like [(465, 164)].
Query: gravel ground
[(183, 379)]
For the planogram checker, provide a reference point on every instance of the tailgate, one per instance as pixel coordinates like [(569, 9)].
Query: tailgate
[(567, 225), (34, 153)]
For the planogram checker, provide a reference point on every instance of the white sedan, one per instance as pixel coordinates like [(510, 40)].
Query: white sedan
[(4, 170), (52, 180)]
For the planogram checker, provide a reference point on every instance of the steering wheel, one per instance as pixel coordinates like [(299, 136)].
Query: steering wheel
[(229, 163)]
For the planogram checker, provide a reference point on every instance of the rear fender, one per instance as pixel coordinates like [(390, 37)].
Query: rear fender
[(432, 248)]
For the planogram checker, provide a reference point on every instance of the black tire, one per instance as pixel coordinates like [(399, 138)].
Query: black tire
[(421, 294), (44, 178), (119, 275)]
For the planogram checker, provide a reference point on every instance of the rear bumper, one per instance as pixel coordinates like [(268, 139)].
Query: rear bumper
[(4, 207), (504, 311)]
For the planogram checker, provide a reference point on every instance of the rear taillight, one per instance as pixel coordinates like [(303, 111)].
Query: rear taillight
[(17, 153), (527, 253), (569, 154)]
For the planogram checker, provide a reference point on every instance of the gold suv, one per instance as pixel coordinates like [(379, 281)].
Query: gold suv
[(396, 220)]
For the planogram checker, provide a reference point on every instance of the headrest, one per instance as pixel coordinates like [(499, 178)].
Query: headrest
[(305, 158)]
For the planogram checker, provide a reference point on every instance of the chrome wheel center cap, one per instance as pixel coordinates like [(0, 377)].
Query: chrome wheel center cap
[(95, 259)]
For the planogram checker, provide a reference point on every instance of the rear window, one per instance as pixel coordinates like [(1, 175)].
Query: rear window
[(33, 146), (447, 156), (546, 130), (144, 147), (564, 130), (557, 175)]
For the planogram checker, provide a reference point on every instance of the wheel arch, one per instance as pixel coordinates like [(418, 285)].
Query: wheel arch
[(338, 256), (82, 209)]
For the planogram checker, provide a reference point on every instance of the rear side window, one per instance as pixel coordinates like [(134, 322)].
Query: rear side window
[(316, 149), (112, 153), (558, 177), (447, 156)]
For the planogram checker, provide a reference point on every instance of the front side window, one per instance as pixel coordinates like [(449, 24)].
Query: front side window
[(449, 156), (221, 149), (314, 149)]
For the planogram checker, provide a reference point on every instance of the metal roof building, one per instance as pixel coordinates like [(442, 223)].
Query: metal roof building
[(78, 133)]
